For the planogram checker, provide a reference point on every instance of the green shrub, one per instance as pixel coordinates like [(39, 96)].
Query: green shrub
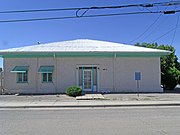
[(74, 91), (171, 78)]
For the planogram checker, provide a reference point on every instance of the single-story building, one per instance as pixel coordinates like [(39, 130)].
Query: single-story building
[(93, 65)]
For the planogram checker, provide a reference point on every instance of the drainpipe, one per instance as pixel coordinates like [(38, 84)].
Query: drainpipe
[(114, 72), (55, 71), (37, 74)]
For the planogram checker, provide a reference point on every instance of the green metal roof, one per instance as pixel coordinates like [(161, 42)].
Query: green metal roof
[(20, 69), (46, 69)]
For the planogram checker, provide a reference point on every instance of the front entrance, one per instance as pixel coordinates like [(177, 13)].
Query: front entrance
[(87, 78)]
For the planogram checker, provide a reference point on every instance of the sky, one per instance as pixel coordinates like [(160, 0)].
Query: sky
[(121, 29)]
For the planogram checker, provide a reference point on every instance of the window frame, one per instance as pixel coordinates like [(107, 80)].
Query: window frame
[(47, 80), (21, 77)]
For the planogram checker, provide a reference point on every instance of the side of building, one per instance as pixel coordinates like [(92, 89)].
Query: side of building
[(92, 74)]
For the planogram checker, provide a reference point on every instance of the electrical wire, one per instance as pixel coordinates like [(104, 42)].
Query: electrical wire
[(146, 5), (154, 29), (146, 29), (77, 15), (157, 26), (175, 29), (165, 34), (86, 16)]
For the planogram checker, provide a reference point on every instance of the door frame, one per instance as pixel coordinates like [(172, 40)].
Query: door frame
[(84, 80), (98, 74)]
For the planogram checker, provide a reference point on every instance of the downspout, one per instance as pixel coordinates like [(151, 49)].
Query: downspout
[(37, 65), (114, 72), (55, 71)]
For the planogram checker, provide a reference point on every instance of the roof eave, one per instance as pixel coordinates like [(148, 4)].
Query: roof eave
[(82, 54)]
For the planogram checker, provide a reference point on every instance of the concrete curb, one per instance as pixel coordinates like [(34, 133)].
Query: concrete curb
[(91, 106)]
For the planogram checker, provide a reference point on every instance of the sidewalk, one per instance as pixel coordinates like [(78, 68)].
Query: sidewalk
[(110, 100), (75, 104)]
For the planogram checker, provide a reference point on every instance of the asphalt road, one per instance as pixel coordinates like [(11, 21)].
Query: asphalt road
[(110, 121)]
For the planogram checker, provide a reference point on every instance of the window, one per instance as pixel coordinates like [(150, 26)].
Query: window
[(22, 77), (22, 73), (46, 73), (46, 77)]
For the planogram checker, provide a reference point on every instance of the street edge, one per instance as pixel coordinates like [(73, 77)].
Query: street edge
[(90, 106)]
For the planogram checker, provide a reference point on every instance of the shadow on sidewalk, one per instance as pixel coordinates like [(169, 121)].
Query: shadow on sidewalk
[(176, 90)]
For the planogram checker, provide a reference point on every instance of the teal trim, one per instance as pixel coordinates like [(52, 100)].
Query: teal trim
[(94, 77), (22, 79), (46, 69), (20, 69), (84, 54), (47, 78)]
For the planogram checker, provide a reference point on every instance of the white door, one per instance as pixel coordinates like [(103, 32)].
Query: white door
[(87, 80)]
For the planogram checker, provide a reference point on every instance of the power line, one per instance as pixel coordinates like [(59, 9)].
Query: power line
[(146, 5), (38, 19), (165, 33), (146, 29), (86, 16), (155, 29), (175, 29), (157, 26)]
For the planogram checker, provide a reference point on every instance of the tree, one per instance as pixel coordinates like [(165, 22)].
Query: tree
[(170, 67)]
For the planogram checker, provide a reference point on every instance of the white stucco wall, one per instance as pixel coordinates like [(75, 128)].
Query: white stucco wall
[(150, 74), (114, 74), (10, 79)]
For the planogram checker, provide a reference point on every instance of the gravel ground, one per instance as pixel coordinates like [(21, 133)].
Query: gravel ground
[(61, 97), (119, 97), (143, 97)]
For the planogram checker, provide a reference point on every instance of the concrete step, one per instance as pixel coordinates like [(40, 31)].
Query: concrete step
[(90, 97)]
